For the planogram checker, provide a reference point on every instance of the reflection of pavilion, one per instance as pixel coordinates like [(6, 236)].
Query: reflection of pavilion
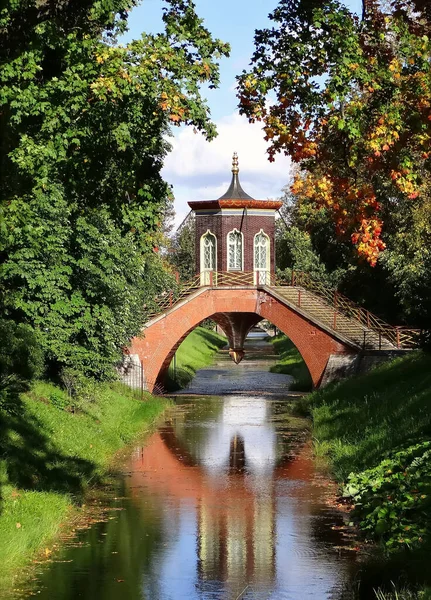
[(229, 485), (236, 535)]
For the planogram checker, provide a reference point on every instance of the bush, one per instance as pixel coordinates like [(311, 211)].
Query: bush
[(393, 500), (59, 399), (21, 359), (81, 390)]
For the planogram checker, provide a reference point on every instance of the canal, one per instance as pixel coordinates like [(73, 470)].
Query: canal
[(223, 501)]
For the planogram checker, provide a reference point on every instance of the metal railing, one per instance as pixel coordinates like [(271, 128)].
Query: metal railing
[(398, 337), (131, 372), (237, 278), (333, 308), (210, 279), (173, 296)]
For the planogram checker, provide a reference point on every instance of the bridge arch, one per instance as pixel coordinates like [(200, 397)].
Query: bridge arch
[(162, 336)]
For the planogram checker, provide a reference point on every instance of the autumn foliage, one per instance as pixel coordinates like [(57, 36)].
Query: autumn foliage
[(349, 100)]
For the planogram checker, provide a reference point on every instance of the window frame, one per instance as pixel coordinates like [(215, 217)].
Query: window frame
[(208, 233), (228, 268)]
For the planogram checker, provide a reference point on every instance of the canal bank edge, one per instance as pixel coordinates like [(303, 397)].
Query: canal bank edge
[(194, 353), (372, 430), (290, 362), (53, 457)]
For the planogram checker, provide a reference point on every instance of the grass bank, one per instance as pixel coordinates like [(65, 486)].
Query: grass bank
[(49, 457), (290, 362), (375, 432), (360, 421), (196, 352)]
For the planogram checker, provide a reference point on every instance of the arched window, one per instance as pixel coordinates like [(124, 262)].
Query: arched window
[(262, 263), (234, 251), (208, 256)]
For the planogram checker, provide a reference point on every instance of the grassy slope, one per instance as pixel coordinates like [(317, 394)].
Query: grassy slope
[(290, 362), (50, 456), (196, 352), (357, 422)]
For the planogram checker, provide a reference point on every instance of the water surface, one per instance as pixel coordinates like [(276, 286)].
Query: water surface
[(222, 502)]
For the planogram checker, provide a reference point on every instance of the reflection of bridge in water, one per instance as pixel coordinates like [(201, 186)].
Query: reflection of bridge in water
[(231, 476)]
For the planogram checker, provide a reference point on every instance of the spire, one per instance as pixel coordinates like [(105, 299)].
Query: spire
[(235, 191), (235, 164)]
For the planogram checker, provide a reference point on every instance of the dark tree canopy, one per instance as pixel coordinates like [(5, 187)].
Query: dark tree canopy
[(82, 142)]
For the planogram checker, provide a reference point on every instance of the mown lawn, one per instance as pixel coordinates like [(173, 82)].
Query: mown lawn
[(196, 352), (49, 457), (290, 362)]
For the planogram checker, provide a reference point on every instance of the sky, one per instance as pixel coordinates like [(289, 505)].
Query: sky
[(201, 170)]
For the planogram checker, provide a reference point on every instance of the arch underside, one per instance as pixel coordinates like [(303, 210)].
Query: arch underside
[(236, 311)]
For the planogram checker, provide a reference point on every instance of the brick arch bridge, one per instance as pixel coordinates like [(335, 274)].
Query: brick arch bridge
[(324, 328)]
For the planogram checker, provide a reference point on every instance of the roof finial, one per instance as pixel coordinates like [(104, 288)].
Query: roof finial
[(235, 164)]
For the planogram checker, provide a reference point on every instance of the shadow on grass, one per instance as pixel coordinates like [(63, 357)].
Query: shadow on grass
[(29, 459), (401, 577), (210, 338)]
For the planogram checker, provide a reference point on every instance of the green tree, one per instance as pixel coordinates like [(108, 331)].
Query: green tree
[(183, 251), (347, 98), (83, 139), (21, 359), (295, 252)]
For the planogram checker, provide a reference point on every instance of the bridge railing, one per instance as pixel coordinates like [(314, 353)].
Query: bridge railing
[(398, 337), (171, 297), (210, 279), (237, 278)]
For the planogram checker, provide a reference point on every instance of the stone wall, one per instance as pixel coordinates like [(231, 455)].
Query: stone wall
[(342, 366)]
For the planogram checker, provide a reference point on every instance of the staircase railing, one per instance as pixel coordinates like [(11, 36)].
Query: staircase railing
[(171, 297), (398, 337)]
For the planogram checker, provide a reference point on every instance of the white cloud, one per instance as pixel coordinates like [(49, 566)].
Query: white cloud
[(200, 170)]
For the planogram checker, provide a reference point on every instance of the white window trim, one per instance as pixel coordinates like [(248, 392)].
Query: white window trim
[(242, 250), (207, 232), (268, 254)]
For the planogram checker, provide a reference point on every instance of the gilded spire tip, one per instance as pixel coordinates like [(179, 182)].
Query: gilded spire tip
[(235, 163)]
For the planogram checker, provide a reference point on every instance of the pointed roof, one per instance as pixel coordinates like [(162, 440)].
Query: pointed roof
[(235, 190), (235, 197)]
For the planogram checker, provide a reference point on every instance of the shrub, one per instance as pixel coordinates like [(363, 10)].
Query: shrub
[(59, 400), (393, 500), (21, 359)]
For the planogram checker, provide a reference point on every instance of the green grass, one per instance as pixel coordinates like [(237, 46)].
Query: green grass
[(403, 594), (49, 458), (196, 352), (290, 362), (374, 430), (359, 421)]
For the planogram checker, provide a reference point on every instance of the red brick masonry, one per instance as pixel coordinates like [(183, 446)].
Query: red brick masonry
[(164, 334), (249, 226)]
